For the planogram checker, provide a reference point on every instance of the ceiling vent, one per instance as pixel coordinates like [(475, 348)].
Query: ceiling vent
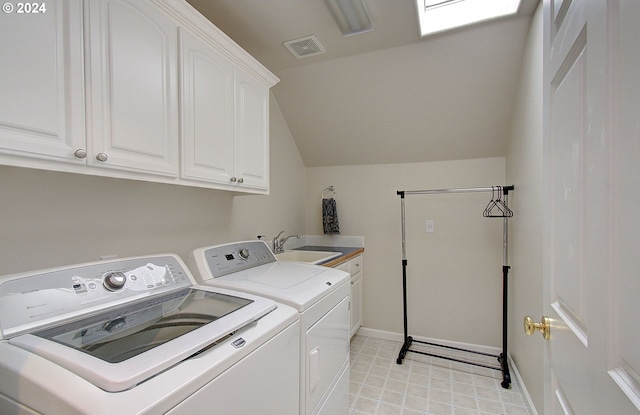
[(305, 47)]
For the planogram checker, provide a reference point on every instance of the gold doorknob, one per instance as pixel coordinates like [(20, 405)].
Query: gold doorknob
[(544, 326)]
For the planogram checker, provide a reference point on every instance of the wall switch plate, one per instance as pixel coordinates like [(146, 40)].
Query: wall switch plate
[(429, 226)]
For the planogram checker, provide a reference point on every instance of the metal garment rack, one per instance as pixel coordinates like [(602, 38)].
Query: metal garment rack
[(506, 213)]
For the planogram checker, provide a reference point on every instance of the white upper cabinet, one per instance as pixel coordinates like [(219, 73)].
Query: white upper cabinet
[(41, 79), (207, 111), (225, 115), (252, 132), (147, 90), (132, 62)]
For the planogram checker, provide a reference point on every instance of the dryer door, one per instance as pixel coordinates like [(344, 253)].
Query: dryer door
[(327, 349)]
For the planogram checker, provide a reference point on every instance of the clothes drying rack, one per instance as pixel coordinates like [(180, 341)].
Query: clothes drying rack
[(497, 207)]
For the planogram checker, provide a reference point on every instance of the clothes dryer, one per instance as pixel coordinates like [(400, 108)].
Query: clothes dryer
[(319, 294)]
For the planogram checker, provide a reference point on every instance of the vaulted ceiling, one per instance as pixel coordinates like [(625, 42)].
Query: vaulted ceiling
[(386, 96)]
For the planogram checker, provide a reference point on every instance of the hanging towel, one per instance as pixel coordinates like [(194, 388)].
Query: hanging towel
[(330, 223)]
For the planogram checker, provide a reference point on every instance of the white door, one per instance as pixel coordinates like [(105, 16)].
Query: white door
[(592, 360)]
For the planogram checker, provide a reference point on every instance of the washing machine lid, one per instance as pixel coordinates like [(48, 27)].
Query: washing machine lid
[(121, 347)]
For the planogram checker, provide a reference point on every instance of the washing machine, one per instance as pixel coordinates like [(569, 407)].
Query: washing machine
[(319, 294), (138, 336)]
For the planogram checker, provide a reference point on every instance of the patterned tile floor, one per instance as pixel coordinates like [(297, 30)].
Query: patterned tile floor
[(424, 385)]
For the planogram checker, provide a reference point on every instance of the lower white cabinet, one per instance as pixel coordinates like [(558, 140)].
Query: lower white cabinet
[(354, 267)]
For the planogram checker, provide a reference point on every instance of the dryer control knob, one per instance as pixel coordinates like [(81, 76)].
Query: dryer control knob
[(244, 253), (114, 281)]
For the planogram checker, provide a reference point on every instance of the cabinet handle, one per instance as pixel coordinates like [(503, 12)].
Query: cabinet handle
[(80, 153), (233, 179), (102, 157), (240, 180)]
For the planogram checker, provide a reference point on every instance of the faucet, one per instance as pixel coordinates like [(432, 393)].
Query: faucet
[(278, 243)]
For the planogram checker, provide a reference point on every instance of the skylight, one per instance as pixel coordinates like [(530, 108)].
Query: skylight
[(440, 15)]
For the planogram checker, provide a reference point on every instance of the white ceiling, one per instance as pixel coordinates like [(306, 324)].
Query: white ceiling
[(385, 96)]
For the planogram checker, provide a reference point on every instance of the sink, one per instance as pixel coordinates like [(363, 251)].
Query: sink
[(311, 257)]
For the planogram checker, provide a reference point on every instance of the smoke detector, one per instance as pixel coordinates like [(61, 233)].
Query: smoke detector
[(305, 47)]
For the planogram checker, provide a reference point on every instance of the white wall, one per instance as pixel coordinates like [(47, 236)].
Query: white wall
[(454, 274), (524, 168), (49, 219)]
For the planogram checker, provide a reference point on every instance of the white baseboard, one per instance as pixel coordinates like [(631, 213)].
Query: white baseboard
[(387, 335), (513, 370)]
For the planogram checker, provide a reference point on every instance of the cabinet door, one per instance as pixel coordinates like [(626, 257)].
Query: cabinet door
[(41, 79), (252, 132), (355, 269), (133, 86), (207, 111), (356, 304)]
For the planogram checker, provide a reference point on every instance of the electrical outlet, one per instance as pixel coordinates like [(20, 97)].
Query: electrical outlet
[(429, 225)]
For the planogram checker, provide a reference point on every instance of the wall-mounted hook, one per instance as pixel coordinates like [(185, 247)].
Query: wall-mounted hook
[(331, 188)]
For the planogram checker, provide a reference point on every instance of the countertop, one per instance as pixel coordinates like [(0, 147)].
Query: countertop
[(347, 253)]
